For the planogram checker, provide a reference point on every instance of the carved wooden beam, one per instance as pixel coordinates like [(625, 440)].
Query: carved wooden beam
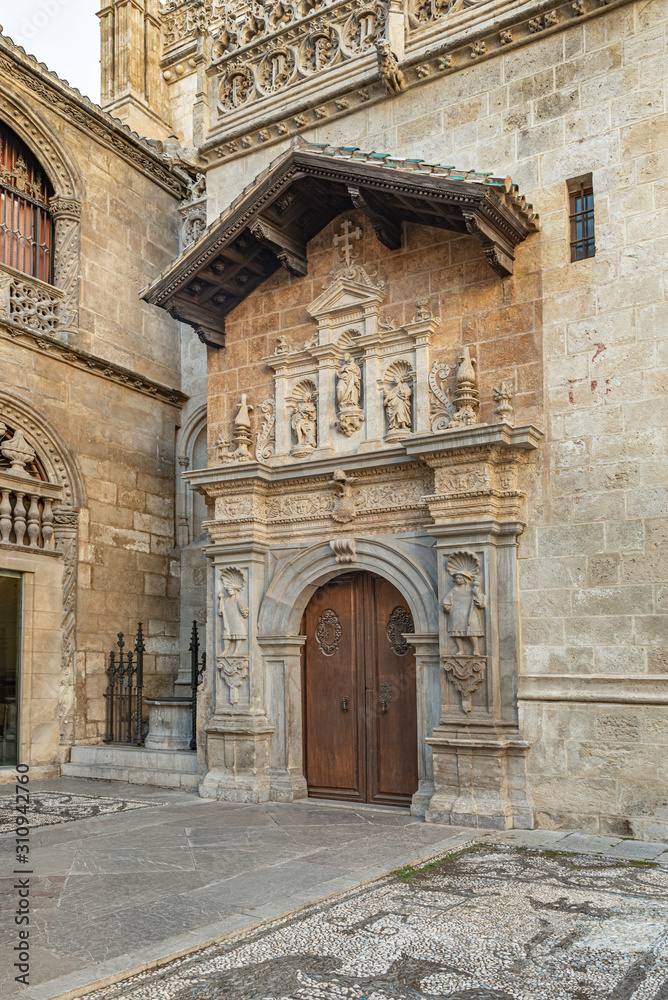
[(289, 251), (387, 230)]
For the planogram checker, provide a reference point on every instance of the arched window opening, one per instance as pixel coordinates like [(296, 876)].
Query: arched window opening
[(26, 229)]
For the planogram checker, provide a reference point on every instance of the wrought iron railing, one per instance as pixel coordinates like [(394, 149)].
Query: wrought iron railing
[(125, 683), (197, 668)]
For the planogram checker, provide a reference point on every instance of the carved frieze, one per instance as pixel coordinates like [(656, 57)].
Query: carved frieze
[(400, 623)]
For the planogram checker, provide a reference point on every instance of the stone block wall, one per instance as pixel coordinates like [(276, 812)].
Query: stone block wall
[(500, 321), (586, 99)]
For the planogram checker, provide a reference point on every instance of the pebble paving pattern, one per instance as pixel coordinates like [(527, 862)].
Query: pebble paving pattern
[(47, 808), (485, 923)]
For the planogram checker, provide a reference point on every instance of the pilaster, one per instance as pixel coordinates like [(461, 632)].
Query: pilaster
[(282, 671), (478, 751)]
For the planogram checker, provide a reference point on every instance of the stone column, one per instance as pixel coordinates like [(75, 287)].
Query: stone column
[(283, 673), (427, 669), (239, 732), (66, 216)]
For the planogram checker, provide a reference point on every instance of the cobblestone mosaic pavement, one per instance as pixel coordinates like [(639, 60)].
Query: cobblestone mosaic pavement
[(48, 808), (485, 923)]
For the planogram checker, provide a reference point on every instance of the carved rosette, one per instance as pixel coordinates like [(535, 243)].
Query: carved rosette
[(328, 632), (466, 674)]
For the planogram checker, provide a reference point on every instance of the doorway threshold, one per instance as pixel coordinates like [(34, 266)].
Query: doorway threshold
[(340, 804)]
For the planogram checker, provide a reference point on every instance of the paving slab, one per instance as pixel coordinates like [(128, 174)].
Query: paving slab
[(167, 871)]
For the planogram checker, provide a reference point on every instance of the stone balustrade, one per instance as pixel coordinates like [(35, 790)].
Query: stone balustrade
[(28, 302), (26, 511)]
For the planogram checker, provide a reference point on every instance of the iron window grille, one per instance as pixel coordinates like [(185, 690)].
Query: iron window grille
[(26, 229), (582, 223)]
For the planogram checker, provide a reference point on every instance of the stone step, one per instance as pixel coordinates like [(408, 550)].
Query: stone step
[(165, 768)]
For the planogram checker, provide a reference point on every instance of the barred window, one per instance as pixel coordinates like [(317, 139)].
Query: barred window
[(26, 230), (582, 220)]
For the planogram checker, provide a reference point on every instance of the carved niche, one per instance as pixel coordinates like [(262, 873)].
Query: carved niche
[(233, 658), (465, 661)]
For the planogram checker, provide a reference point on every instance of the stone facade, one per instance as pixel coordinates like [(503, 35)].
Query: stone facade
[(563, 513), (96, 392), (548, 96)]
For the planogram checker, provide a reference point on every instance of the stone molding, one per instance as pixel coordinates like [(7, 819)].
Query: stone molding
[(595, 689), (74, 356), (79, 111), (444, 46)]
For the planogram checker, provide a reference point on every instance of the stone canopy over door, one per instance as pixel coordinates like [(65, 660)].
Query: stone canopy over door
[(359, 693)]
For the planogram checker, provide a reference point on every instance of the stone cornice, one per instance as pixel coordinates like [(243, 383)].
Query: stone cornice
[(74, 356), (431, 52), (78, 110)]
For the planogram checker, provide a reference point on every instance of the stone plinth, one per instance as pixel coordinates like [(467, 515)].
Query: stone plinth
[(169, 723)]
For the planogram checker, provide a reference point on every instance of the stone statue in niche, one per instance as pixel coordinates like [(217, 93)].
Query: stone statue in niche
[(348, 391), (464, 602), (304, 421), (398, 393), (463, 605), (232, 609)]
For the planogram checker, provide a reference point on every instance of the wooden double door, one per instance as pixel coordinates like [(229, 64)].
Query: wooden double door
[(360, 713)]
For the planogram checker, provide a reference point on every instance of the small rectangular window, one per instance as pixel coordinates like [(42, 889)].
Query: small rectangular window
[(581, 220)]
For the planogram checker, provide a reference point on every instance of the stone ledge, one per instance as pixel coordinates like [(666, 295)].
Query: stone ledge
[(136, 765), (622, 689)]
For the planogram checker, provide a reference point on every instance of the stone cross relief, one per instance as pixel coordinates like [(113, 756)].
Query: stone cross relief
[(463, 605), (233, 612), (344, 244)]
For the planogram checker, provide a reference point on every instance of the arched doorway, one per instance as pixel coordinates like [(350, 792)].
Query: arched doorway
[(359, 693)]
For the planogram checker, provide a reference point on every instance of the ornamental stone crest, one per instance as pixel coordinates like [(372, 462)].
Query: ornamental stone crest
[(344, 501), (328, 632)]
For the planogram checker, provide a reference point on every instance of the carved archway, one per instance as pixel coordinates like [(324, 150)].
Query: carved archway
[(61, 470), (186, 439), (299, 577), (65, 205), (295, 581)]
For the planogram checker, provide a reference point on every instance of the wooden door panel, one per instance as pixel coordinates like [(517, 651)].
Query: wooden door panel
[(393, 720), (333, 663), (354, 650)]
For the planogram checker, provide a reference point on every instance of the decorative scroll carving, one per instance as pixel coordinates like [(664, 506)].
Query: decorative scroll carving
[(241, 437), (397, 399), (463, 603), (400, 622), (344, 501), (466, 394), (266, 439), (423, 11), (233, 612), (467, 674), (304, 421), (385, 697), (283, 40), (503, 393), (348, 389), (441, 406), (193, 211), (344, 550), (328, 632)]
